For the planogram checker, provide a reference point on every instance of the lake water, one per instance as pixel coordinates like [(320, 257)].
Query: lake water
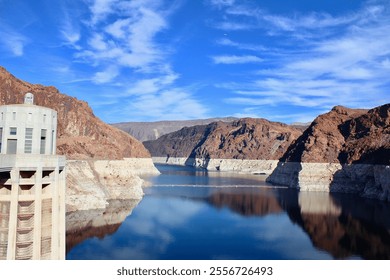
[(188, 213)]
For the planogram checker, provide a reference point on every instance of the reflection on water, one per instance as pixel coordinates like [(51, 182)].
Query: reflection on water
[(349, 226), (243, 222), (82, 225), (189, 176)]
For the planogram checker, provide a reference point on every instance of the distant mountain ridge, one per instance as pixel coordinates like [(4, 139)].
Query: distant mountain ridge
[(146, 131), (241, 139)]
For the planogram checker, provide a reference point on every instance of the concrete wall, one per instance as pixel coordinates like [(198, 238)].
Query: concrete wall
[(14, 119), (32, 207)]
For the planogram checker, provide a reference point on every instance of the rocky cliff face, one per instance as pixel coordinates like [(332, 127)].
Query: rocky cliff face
[(342, 151), (249, 139), (146, 131), (345, 136), (81, 134)]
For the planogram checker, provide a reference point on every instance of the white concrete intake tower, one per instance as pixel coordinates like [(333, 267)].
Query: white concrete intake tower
[(32, 183)]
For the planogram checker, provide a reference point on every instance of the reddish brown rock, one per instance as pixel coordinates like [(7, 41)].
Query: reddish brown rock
[(345, 136), (242, 139), (367, 138), (81, 134)]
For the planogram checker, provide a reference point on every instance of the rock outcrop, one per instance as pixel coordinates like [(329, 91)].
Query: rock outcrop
[(223, 146), (344, 150), (92, 183)]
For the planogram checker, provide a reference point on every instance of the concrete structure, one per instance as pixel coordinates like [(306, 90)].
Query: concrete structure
[(32, 184)]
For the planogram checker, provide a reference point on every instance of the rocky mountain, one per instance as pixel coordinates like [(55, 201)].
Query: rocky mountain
[(81, 134), (247, 138), (345, 136), (145, 131), (343, 150)]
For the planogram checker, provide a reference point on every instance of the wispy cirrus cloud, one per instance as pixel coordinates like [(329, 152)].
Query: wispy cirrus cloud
[(107, 75), (236, 59), (127, 40), (345, 59), (241, 46), (152, 85), (69, 30), (119, 42), (221, 3), (12, 41), (170, 104)]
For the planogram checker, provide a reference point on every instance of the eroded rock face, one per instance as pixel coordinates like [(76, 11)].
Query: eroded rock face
[(92, 183), (345, 136), (344, 150), (367, 138), (81, 134), (249, 139)]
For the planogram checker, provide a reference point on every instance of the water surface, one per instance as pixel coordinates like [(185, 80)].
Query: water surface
[(188, 213)]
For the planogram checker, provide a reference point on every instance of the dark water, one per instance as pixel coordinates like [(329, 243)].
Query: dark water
[(194, 214)]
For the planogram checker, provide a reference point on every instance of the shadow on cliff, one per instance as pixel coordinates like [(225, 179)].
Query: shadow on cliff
[(196, 152)]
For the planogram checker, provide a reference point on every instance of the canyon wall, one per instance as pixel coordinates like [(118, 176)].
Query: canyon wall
[(245, 145), (344, 150), (263, 167), (92, 183)]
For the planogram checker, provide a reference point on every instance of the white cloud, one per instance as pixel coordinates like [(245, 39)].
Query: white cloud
[(152, 86), (126, 40), (236, 59), (118, 28), (222, 3), (100, 9), (106, 76), (333, 60), (98, 43), (170, 104), (69, 29), (241, 46), (12, 41)]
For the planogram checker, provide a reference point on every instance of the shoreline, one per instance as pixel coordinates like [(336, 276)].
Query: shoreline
[(92, 183), (366, 180), (245, 166)]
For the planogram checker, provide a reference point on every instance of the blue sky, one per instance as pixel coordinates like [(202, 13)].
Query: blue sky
[(147, 60)]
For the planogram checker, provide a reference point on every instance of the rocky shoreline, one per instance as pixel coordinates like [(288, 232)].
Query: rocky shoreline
[(92, 183), (367, 180), (345, 150), (263, 167)]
